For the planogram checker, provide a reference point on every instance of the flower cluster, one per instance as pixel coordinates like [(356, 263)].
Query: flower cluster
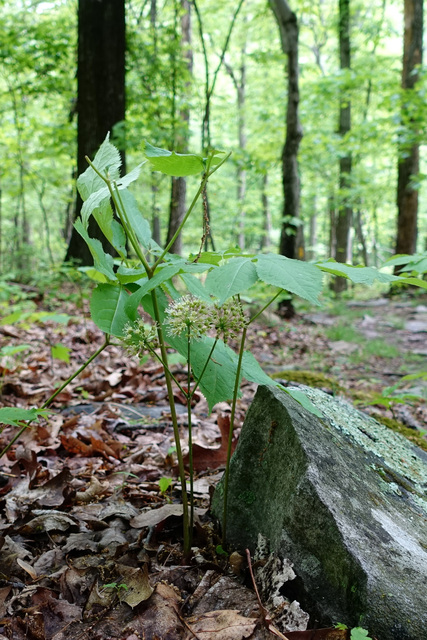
[(229, 320), (139, 337), (190, 314)]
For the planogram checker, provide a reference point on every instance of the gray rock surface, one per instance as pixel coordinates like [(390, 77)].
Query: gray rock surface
[(345, 499)]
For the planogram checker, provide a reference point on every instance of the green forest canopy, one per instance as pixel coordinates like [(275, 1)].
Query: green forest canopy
[(38, 123)]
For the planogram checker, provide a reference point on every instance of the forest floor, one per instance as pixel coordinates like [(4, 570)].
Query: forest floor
[(90, 547)]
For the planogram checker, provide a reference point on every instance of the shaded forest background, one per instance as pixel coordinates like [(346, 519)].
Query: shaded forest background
[(214, 74)]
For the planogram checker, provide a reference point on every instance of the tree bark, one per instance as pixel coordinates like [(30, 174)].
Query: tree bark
[(408, 162), (344, 217), (290, 231), (100, 93), (179, 185)]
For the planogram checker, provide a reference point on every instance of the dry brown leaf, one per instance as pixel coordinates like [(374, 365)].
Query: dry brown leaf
[(28, 568), (155, 516), (208, 458), (225, 624), (137, 584)]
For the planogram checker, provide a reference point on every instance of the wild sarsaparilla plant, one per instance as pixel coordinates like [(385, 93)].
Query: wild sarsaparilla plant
[(198, 323)]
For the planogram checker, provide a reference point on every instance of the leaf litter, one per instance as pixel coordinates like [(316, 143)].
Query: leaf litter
[(89, 546)]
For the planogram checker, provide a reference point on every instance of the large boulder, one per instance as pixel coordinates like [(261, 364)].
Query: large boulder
[(345, 499)]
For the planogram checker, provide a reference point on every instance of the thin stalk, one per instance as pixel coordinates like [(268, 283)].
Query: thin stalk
[(168, 379), (165, 366), (190, 430), (230, 433), (265, 307), (53, 396), (204, 368), (205, 178)]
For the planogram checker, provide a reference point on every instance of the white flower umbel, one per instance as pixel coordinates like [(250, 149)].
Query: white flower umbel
[(189, 315)]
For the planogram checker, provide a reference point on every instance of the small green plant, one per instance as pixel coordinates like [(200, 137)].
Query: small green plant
[(196, 319), (164, 485), (343, 332), (356, 633)]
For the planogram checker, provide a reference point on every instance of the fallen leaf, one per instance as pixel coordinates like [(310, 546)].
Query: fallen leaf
[(155, 516), (208, 458), (137, 583), (225, 624), (28, 568)]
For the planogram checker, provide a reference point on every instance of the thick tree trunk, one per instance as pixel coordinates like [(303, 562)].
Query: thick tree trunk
[(179, 185), (100, 92), (344, 218), (408, 164), (288, 26)]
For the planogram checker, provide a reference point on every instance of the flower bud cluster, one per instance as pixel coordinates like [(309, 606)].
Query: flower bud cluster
[(190, 314), (229, 320), (139, 337)]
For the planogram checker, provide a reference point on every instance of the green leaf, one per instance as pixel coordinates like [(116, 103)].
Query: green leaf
[(107, 308), (416, 282), (103, 262), (60, 352), (139, 224), (358, 275), (111, 228), (174, 164), (252, 371), (164, 273), (217, 383), (305, 402), (11, 350), (164, 484), (107, 157), (195, 287), (357, 633), (93, 274), (231, 278), (13, 415), (295, 276)]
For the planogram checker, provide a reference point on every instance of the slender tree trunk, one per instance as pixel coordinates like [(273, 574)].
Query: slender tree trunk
[(240, 86), (288, 26), (241, 173), (344, 218), (361, 237), (266, 215), (100, 93), (408, 163), (179, 185)]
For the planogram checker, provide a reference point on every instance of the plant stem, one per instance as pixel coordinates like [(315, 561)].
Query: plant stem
[(190, 430), (265, 307), (168, 379), (205, 178), (230, 433), (204, 367), (53, 396)]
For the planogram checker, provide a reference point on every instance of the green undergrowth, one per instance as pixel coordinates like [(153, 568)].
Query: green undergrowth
[(310, 379)]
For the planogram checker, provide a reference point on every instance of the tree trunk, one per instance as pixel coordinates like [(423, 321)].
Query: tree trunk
[(179, 185), (266, 215), (100, 93), (288, 26), (408, 163), (344, 217)]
